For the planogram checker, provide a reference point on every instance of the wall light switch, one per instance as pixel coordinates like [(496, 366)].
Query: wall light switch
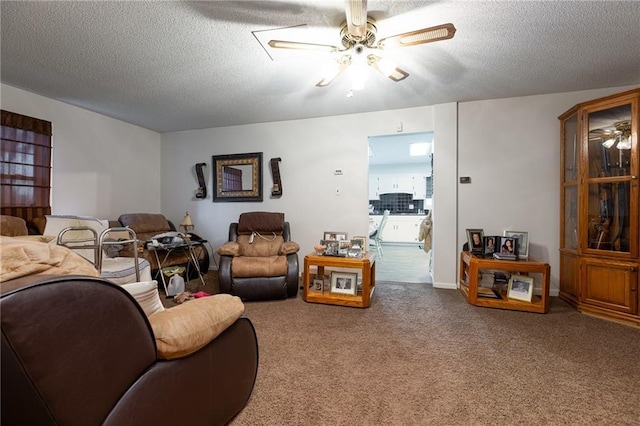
[(465, 179), (337, 190)]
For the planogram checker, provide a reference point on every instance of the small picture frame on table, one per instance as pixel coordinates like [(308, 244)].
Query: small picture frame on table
[(316, 285), (359, 241), (330, 247), (508, 245), (335, 236), (344, 283), (490, 245), (520, 288), (522, 247), (343, 247), (475, 239)]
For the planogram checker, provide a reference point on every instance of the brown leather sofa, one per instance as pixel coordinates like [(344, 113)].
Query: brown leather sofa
[(78, 350), (259, 261)]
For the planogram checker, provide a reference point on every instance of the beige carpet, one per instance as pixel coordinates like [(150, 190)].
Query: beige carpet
[(421, 356)]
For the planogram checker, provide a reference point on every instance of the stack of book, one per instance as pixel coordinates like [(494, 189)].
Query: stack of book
[(501, 278), (487, 292), (487, 278), (504, 256)]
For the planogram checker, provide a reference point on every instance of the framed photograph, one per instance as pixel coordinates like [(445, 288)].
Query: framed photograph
[(343, 247), (335, 236), (507, 245), (330, 247), (344, 283), (360, 241), (522, 247), (520, 288), (475, 239), (316, 285), (490, 244)]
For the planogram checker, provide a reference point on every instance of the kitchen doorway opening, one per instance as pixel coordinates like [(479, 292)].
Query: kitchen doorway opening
[(401, 181)]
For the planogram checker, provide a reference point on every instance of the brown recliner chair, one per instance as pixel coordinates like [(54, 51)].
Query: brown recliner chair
[(78, 350), (260, 261)]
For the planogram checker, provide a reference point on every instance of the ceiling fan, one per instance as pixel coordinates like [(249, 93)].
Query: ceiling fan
[(360, 50)]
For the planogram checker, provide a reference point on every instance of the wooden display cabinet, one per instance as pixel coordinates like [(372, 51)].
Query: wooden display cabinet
[(470, 267), (599, 201)]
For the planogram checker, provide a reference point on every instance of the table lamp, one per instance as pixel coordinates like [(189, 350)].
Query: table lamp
[(187, 224)]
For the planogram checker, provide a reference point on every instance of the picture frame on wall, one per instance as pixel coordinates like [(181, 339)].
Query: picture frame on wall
[(475, 240), (522, 246), (520, 288), (344, 283)]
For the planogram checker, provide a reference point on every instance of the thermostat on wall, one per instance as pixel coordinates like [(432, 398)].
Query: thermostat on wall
[(337, 172)]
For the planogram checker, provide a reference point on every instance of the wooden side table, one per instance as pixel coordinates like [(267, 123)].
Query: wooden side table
[(367, 267), (470, 266)]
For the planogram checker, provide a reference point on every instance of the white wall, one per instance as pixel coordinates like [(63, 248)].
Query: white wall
[(511, 150), (310, 151), (102, 167)]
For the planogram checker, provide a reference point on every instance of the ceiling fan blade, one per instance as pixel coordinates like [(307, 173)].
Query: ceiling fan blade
[(356, 17), (387, 68), (333, 72), (425, 35), (294, 45)]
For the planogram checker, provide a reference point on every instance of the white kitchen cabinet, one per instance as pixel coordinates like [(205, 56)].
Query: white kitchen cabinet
[(414, 184), (402, 229)]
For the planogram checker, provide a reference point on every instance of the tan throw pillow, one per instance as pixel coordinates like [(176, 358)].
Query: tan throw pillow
[(146, 294), (184, 329), (230, 248)]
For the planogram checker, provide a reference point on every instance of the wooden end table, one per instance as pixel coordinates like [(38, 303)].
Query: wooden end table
[(367, 267)]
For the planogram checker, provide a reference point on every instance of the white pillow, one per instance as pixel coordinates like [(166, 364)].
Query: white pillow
[(147, 296)]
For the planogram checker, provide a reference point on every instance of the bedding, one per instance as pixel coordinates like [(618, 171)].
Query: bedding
[(20, 257)]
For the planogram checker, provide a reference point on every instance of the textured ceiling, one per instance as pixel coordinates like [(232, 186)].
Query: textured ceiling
[(172, 66)]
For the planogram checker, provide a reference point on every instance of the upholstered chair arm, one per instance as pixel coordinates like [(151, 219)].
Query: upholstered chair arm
[(289, 247), (224, 274), (292, 275)]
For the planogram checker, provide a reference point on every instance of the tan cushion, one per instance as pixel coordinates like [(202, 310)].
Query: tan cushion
[(230, 248), (261, 221), (146, 294), (184, 329), (12, 226), (270, 266), (261, 246), (289, 247)]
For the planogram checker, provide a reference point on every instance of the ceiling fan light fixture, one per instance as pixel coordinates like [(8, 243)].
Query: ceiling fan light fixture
[(609, 142)]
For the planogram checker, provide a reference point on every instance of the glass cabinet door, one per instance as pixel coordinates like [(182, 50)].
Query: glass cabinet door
[(571, 156), (608, 198)]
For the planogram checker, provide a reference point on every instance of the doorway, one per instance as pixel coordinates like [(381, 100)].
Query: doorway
[(401, 181)]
